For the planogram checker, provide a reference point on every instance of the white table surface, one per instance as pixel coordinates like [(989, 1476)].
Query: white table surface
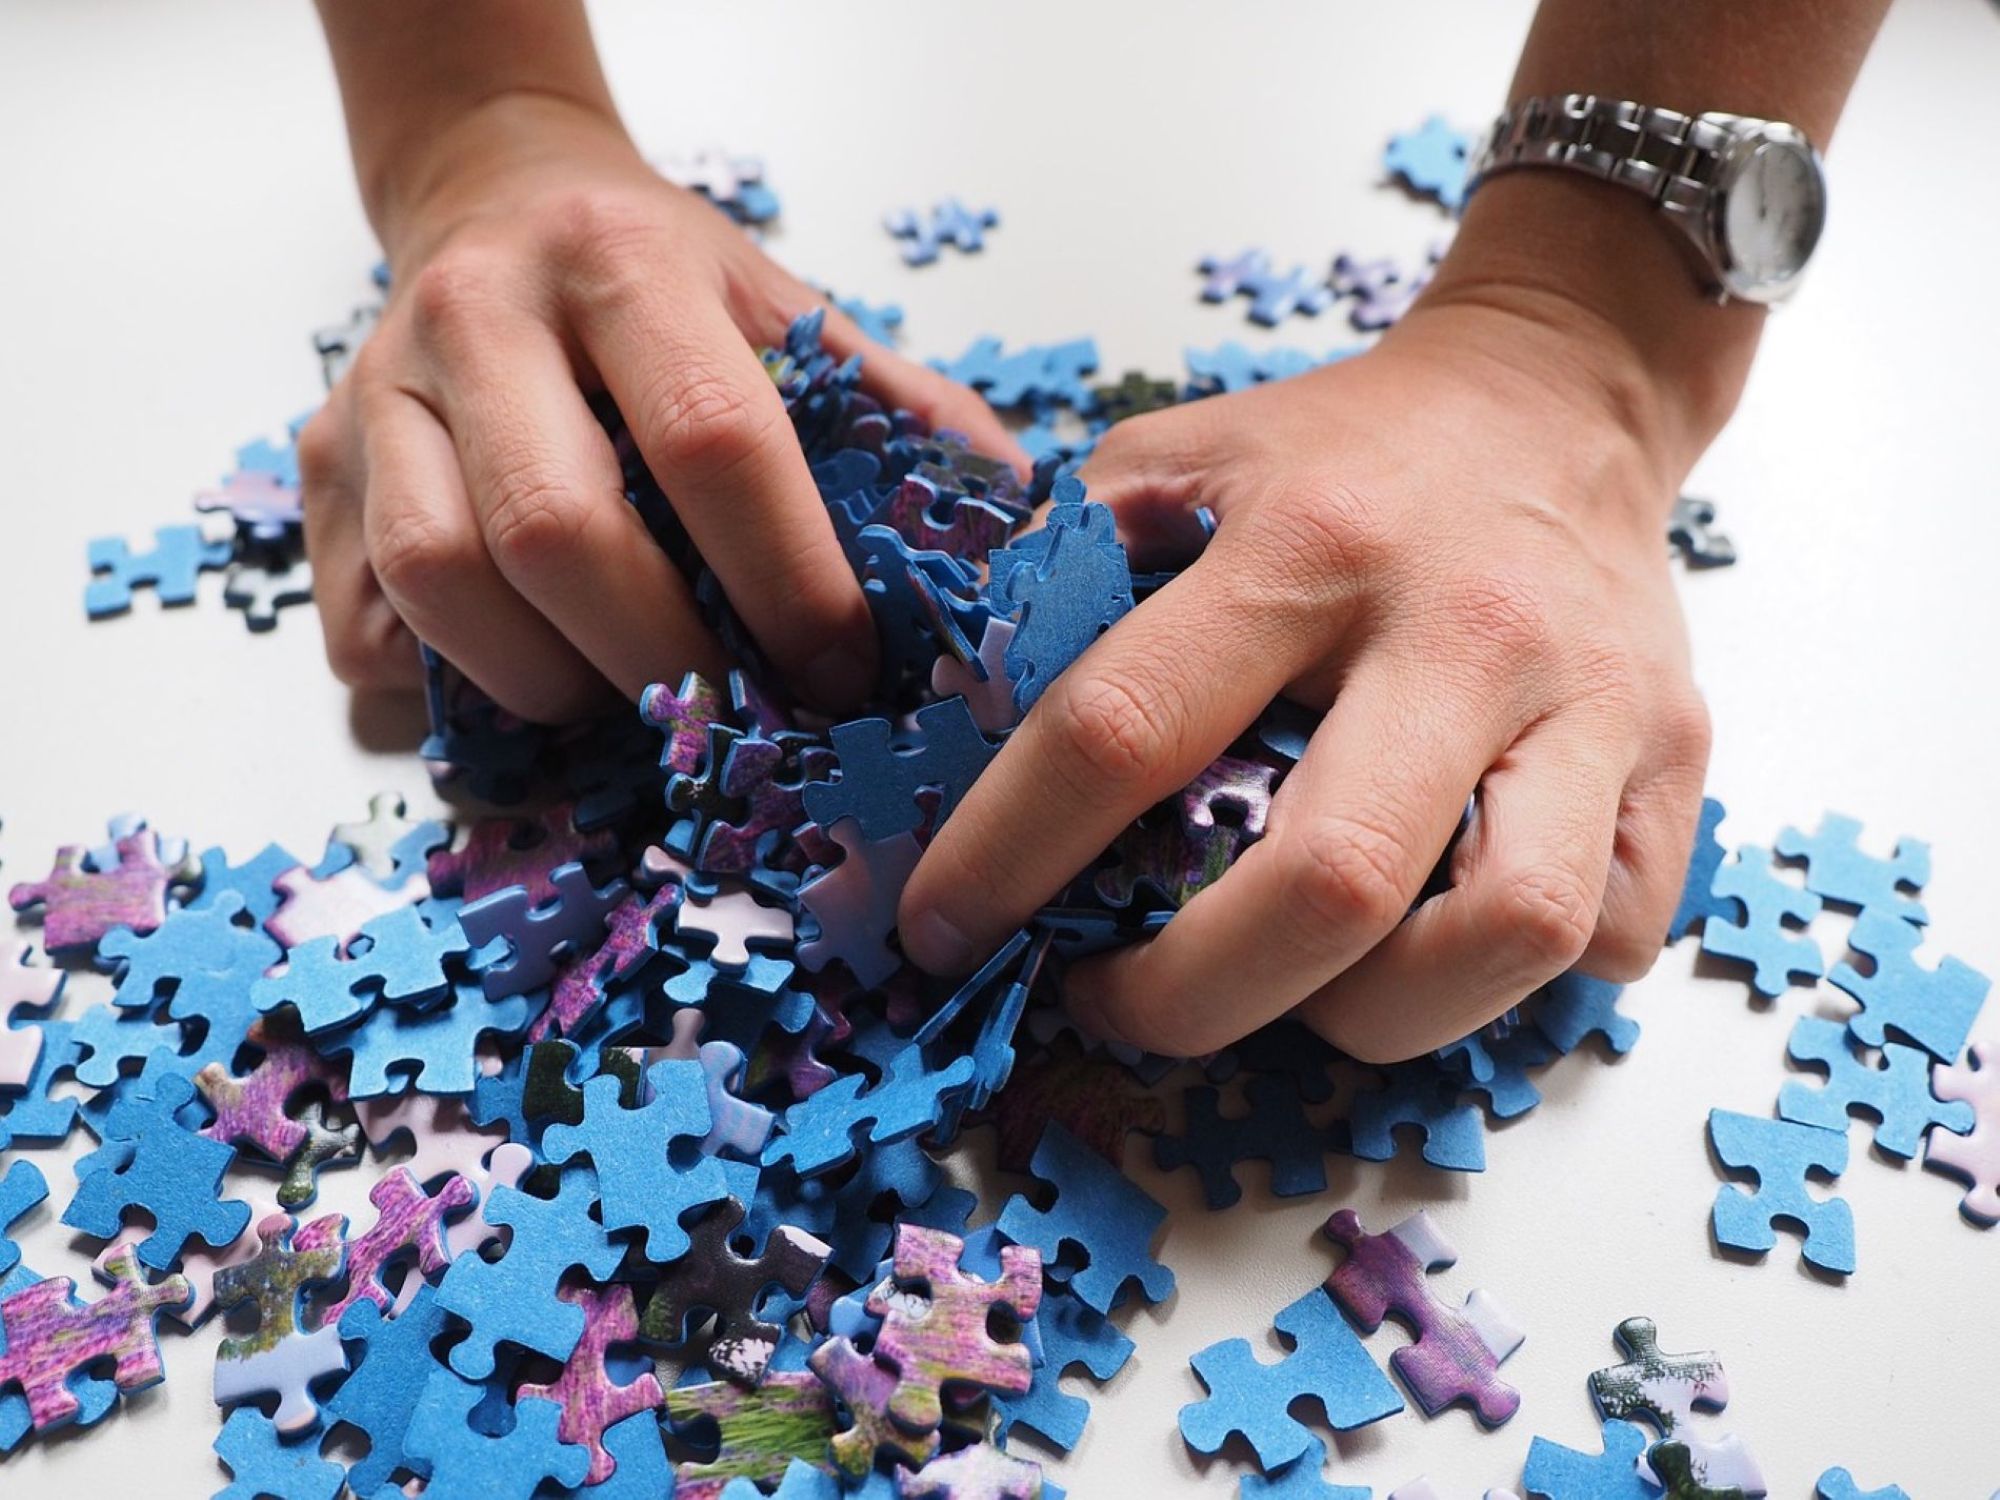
[(177, 214)]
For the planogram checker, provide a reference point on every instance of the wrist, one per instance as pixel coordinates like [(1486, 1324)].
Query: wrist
[(1610, 305), (450, 156)]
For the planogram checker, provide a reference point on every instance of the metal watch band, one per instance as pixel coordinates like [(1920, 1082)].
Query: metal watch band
[(1669, 157)]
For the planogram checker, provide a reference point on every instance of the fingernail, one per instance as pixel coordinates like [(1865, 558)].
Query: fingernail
[(838, 677), (934, 942)]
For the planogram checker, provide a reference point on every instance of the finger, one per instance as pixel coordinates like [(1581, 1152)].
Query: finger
[(1656, 831), (1355, 830), (425, 547), (714, 432), (1528, 885), (1136, 718), (367, 644), (904, 384), (1154, 471), (545, 486)]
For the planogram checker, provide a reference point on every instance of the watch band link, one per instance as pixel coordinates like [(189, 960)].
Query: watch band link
[(1669, 157)]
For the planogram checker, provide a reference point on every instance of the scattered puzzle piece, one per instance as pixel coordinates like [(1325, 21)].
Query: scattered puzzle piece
[(465, 1463), (1099, 1211), (47, 1336), (1934, 1008), (1457, 1354), (1430, 162), (153, 1162), (279, 1358), (79, 906), (268, 1468), (760, 1431), (1275, 1130), (180, 555), (1837, 870), (1780, 1154), (1838, 1484), (390, 1371), (1897, 1092), (1974, 1155), (1250, 1397), (590, 1400), (1558, 1473), (1764, 929), (716, 1277), (948, 223)]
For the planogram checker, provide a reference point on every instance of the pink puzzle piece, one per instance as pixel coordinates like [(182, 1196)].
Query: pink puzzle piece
[(80, 906), (735, 919), (991, 700), (1457, 1354), (51, 1336), (336, 907), (407, 1223), (591, 1401), (446, 1140), (252, 1108), (23, 986), (1975, 1157), (582, 980), (503, 852)]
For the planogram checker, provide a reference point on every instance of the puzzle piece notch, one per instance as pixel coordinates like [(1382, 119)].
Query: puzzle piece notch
[(21, 1189), (280, 1358), (1072, 1335), (408, 1223), (1781, 1154), (1838, 1484), (1249, 1397), (387, 1379), (1458, 1352), (1554, 1472)]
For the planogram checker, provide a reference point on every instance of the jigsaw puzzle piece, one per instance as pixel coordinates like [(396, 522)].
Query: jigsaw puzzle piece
[(1765, 928), (1430, 162), (1097, 1210), (465, 1463), (1780, 1154), (1837, 870), (591, 1401), (179, 556), (266, 1467), (1557, 1473), (391, 1361), (153, 1162), (1897, 1091), (1973, 1156), (1934, 1008)]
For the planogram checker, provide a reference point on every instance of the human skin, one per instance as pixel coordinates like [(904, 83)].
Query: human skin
[(1452, 543)]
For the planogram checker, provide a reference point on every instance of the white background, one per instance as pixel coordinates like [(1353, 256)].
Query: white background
[(177, 214)]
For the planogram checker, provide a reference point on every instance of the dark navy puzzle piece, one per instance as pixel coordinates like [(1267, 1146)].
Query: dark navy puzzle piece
[(880, 774), (1072, 1335), (1275, 1130), (1067, 583), (539, 937)]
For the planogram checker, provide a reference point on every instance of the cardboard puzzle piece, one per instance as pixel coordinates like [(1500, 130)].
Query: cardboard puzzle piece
[(1838, 871), (948, 1342), (1780, 1154), (948, 222), (1430, 162), (1458, 1353), (539, 937), (1250, 1397), (180, 555), (1973, 1156), (465, 1463), (758, 1431), (1934, 1008), (1765, 927), (279, 1357), (590, 1400), (1896, 1091), (264, 1465), (47, 1337), (391, 1362), (80, 906), (1098, 1211), (716, 1278)]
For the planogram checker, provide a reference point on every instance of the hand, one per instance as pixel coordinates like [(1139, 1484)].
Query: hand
[(458, 489), (1456, 543)]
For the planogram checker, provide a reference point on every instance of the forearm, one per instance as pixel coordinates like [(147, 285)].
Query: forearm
[(1602, 260), (411, 71)]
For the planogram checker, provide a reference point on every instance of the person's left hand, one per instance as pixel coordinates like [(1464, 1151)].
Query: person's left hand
[(1456, 542)]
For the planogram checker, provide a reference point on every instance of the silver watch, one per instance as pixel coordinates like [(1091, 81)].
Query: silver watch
[(1748, 195)]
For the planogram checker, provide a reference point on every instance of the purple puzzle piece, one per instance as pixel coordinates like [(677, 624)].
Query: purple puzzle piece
[(80, 906), (591, 1402), (855, 903), (407, 1221), (504, 852), (252, 1108), (51, 1337), (683, 717), (582, 981), (1457, 1355)]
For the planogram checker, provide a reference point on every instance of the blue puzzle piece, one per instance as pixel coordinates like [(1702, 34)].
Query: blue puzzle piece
[(1430, 161), (1698, 899), (252, 880), (467, 1464), (20, 1190), (513, 1299), (948, 223), (1071, 1334), (1897, 1092), (398, 958), (197, 953), (643, 1472), (433, 1048), (843, 1215), (821, 1132), (152, 1161), (34, 1115), (1245, 1395), (1510, 1091), (881, 322), (264, 1465), (1934, 1008), (1304, 1478), (1764, 922), (1838, 1484), (1420, 1094), (880, 776), (1780, 1154), (1574, 1006), (1558, 1473), (538, 936), (1274, 1130), (380, 1396), (1068, 584), (1837, 870), (178, 558), (646, 1182), (1099, 1211), (106, 1038)]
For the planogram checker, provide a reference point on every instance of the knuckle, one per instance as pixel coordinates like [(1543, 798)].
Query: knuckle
[(1348, 874), (1687, 731), (537, 520), (1506, 618), (321, 449), (453, 291), (1549, 917), (1624, 956), (1334, 531), (415, 556), (703, 422), (599, 230), (1112, 731)]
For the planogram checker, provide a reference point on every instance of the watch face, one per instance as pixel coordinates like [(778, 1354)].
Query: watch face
[(1773, 210)]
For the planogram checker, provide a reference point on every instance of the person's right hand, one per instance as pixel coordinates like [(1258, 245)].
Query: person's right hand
[(457, 488)]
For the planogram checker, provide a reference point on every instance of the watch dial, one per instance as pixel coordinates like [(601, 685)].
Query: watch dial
[(1776, 208)]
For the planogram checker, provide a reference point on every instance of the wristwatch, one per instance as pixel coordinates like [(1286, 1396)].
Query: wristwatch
[(1748, 195)]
